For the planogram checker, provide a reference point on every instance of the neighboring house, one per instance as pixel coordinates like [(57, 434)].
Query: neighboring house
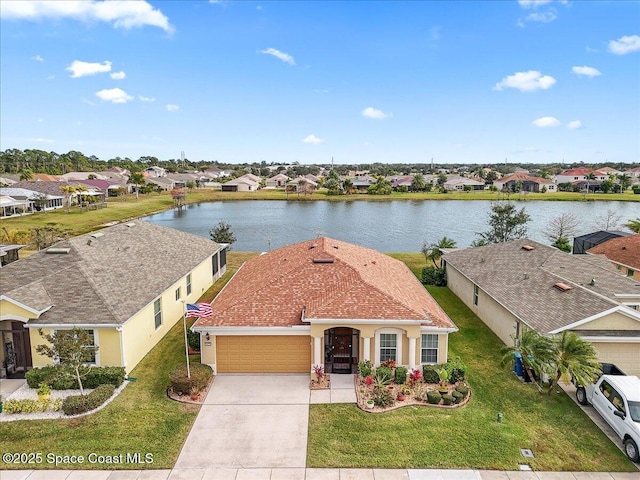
[(362, 182), (155, 171), (31, 196), (10, 206), (181, 179), (528, 183), (163, 183), (9, 254), (589, 240), (43, 177), (521, 285), (126, 284), (73, 176), (245, 183), (633, 173), (402, 182), (53, 192), (322, 302), (277, 181), (109, 187), (623, 252), (459, 184), (315, 179), (303, 184), (577, 174)]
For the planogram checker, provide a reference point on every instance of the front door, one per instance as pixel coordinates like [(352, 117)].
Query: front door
[(341, 340)]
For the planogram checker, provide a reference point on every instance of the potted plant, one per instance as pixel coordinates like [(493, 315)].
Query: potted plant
[(44, 391), (403, 392), (443, 374), (194, 395), (370, 403)]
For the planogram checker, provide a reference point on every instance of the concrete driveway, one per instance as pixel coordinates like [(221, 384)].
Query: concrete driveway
[(250, 421)]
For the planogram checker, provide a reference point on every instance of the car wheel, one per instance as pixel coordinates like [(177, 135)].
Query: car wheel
[(631, 449), (581, 396)]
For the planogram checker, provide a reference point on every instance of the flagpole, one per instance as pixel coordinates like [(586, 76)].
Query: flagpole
[(186, 343)]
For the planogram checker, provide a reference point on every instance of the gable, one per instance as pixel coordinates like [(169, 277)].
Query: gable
[(613, 321), (12, 310)]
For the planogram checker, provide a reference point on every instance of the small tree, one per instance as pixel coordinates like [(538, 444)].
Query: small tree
[(73, 349), (562, 243), (222, 233), (574, 357), (535, 352), (633, 225), (435, 251), (506, 223), (562, 226)]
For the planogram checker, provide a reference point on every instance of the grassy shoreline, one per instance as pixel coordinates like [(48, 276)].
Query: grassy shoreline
[(77, 221)]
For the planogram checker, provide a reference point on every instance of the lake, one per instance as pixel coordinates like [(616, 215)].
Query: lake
[(387, 226)]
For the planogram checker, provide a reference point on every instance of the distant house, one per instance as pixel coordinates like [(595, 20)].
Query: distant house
[(404, 181), (459, 184), (9, 254), (162, 183), (180, 180), (577, 174), (302, 185), (623, 252), (525, 285), (11, 206), (589, 240), (155, 171), (277, 181), (245, 183), (36, 200), (527, 183), (322, 302), (362, 183), (125, 284), (73, 176)]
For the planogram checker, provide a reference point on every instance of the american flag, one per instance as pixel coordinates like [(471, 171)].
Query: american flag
[(199, 310)]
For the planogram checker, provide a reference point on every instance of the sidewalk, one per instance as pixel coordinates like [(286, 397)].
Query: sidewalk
[(306, 474)]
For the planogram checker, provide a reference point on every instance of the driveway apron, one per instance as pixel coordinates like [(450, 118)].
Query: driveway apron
[(250, 421)]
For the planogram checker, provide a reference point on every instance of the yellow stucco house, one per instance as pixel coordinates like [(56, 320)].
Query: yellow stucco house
[(322, 302), (523, 284), (127, 284)]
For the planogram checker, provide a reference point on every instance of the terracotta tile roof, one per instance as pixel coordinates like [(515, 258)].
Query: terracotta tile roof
[(623, 250), (523, 281), (524, 177), (353, 282)]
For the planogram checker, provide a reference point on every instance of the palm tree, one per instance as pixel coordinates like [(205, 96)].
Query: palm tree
[(590, 176), (137, 179), (347, 185), (633, 225), (26, 175), (435, 252), (68, 190), (535, 351), (625, 181), (573, 357)]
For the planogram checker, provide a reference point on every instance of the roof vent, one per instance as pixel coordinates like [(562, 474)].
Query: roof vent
[(563, 287), (97, 235), (528, 248), (323, 260), (312, 246), (592, 282), (335, 246), (58, 250)]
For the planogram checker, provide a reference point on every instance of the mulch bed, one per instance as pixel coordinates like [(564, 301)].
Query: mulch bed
[(187, 398), (323, 384)]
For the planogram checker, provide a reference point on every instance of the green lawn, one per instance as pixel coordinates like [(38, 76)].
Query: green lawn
[(141, 419), (560, 435)]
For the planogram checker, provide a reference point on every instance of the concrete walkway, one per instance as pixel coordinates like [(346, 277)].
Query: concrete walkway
[(305, 474), (9, 385), (342, 390)]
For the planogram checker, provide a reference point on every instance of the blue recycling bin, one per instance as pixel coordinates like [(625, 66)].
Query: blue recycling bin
[(518, 368)]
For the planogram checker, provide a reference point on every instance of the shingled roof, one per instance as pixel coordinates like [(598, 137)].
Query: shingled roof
[(523, 281), (328, 279), (107, 276), (623, 250)]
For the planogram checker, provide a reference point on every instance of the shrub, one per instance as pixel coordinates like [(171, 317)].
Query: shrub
[(447, 399), (382, 397), (26, 405), (401, 375), (420, 391), (456, 368), (463, 389), (457, 396), (414, 376), (365, 368), (53, 376), (430, 374), (434, 276), (76, 404), (182, 385), (433, 397), (193, 339), (383, 374)]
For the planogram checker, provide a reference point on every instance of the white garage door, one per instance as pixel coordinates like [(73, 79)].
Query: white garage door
[(625, 355)]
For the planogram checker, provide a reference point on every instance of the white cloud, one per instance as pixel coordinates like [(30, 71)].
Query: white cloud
[(574, 125), (51, 77), (544, 122), (82, 69), (285, 57), (526, 4), (586, 71), (375, 114), (526, 81), (313, 139), (114, 95), (120, 14), (118, 75), (624, 45), (542, 17), (37, 58), (41, 140), (146, 99), (171, 108)]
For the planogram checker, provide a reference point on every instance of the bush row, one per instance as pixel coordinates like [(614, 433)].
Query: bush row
[(31, 406), (183, 385), (57, 380), (454, 366), (76, 404)]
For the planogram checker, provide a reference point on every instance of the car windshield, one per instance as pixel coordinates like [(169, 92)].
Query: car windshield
[(634, 411)]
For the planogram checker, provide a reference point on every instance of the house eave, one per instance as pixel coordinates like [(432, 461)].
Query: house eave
[(262, 330), (364, 321), (73, 325), (629, 312), (25, 307)]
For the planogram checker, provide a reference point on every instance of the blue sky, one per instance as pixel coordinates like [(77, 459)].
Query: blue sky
[(242, 81)]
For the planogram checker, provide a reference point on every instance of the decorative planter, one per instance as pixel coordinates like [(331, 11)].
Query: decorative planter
[(370, 404), (402, 398), (43, 397)]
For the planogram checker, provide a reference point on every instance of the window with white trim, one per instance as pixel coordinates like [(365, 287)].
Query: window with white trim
[(188, 285), (429, 350), (157, 313), (388, 346), (92, 357), (178, 294), (476, 291)]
